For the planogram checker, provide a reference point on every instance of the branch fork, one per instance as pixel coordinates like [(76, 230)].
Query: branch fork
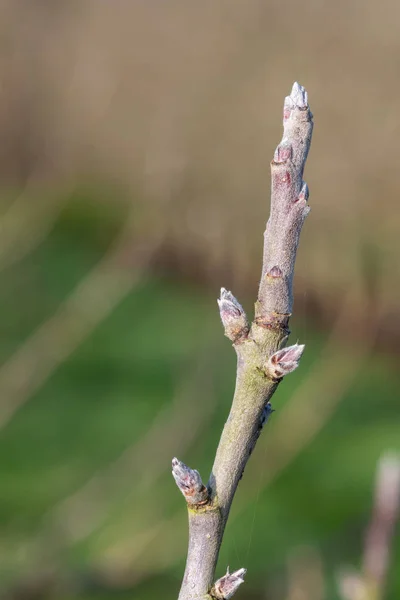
[(262, 360)]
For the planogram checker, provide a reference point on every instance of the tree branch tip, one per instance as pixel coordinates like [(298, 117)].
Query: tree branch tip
[(190, 483), (260, 367), (233, 316), (299, 95), (284, 361), (225, 587), (298, 98)]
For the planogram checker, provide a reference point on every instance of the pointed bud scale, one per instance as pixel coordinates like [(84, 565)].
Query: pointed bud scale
[(299, 95), (233, 316), (284, 361), (304, 192), (298, 99), (189, 482), (225, 587), (283, 152), (275, 272), (228, 303)]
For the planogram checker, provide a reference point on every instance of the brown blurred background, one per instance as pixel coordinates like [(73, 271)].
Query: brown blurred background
[(134, 169)]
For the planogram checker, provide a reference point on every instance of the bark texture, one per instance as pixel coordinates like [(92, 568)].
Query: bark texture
[(261, 362)]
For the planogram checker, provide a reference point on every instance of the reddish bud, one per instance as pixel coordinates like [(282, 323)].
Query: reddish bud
[(189, 482), (275, 272), (284, 361), (225, 587), (233, 316)]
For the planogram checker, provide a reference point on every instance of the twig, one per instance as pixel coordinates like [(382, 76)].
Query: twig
[(261, 364), (315, 399), (304, 415)]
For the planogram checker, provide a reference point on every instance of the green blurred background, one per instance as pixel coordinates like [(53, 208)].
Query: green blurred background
[(134, 167)]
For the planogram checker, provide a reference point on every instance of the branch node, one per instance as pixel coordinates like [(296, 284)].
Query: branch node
[(190, 483), (225, 587), (233, 317), (284, 361), (274, 321)]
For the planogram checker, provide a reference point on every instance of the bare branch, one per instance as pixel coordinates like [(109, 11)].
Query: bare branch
[(289, 208), (261, 361)]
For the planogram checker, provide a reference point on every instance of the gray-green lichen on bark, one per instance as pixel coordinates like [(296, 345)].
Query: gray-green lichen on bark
[(261, 361)]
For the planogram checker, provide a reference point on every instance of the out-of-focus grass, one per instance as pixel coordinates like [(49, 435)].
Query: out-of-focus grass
[(105, 398)]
